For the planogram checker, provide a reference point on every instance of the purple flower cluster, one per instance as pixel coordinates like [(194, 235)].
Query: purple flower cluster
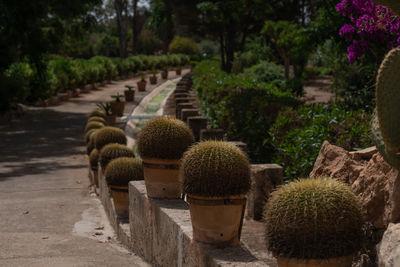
[(370, 24)]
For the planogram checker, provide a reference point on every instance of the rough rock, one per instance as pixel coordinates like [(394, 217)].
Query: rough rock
[(370, 177), (389, 248)]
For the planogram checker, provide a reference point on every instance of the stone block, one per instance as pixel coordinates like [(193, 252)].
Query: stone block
[(181, 100), (191, 112), (196, 124), (212, 134), (264, 180), (388, 250), (181, 106), (162, 230)]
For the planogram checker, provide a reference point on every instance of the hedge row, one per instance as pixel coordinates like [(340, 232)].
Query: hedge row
[(67, 74), (243, 106)]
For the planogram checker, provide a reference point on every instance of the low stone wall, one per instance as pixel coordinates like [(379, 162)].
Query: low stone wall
[(161, 232)]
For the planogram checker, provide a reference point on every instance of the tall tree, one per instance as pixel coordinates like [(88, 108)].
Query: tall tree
[(121, 9), (135, 26)]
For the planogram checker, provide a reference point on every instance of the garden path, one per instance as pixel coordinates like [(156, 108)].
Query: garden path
[(316, 90), (47, 215)]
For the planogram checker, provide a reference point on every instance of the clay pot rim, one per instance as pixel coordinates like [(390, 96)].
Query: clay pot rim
[(314, 262), (161, 161), (241, 196), (119, 187)]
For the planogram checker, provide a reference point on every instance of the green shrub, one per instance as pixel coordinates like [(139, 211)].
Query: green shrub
[(20, 75), (109, 135), (297, 135), (165, 138), (267, 72), (243, 61), (215, 169), (148, 43), (313, 219), (208, 48), (113, 151), (121, 171), (244, 108), (183, 45)]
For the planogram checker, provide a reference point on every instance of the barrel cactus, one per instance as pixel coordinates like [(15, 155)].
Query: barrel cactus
[(90, 143), (122, 170), (98, 119), (109, 135), (98, 113), (215, 169), (313, 219), (113, 151), (94, 159), (89, 134), (93, 125), (164, 138)]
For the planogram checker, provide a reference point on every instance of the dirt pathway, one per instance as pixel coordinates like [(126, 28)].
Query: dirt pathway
[(48, 217), (316, 90)]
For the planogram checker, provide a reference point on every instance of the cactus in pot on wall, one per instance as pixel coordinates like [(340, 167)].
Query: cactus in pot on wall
[(313, 222), (161, 144), (93, 125), (216, 178), (97, 113), (109, 116), (113, 151), (94, 160), (142, 84), (109, 135), (97, 119), (118, 174)]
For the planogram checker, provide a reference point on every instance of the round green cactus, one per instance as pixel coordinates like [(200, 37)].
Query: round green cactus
[(89, 134), (98, 119), (113, 151), (109, 135), (393, 5), (164, 138), (90, 143), (215, 169), (122, 170), (93, 125), (97, 113), (94, 159), (313, 219)]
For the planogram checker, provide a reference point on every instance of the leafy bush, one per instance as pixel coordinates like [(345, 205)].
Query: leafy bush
[(148, 43), (208, 48), (183, 45), (297, 135), (108, 46), (20, 75), (267, 72), (242, 106), (244, 60)]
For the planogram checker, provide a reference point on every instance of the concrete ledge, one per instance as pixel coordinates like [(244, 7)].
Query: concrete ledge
[(161, 232), (121, 226)]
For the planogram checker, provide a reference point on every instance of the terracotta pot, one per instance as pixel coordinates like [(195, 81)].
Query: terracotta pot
[(141, 86), (76, 92), (178, 71), (129, 95), (110, 120), (120, 196), (95, 177), (69, 93), (161, 177), (345, 261), (103, 83), (117, 108), (164, 74), (46, 102), (217, 220), (153, 79)]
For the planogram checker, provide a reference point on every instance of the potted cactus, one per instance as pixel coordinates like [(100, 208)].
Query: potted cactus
[(93, 160), (90, 143), (93, 125), (161, 144), (129, 94), (108, 135), (142, 84), (313, 222), (118, 174), (97, 113), (117, 106), (153, 77), (98, 119), (108, 115), (216, 178), (113, 151)]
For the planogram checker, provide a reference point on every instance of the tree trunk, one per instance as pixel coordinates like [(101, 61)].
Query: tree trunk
[(230, 50), (121, 8), (287, 66), (222, 50), (134, 27)]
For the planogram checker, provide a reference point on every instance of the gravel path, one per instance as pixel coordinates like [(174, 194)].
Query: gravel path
[(48, 217)]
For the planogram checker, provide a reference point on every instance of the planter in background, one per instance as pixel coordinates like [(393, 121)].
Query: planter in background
[(178, 71), (164, 74), (129, 95), (117, 108), (141, 86), (153, 79), (76, 92), (110, 119)]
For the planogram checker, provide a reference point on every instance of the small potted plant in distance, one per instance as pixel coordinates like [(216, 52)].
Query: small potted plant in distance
[(129, 94), (118, 174), (178, 70), (117, 106), (313, 222), (153, 78), (164, 73), (216, 178), (142, 84), (161, 144), (109, 116)]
